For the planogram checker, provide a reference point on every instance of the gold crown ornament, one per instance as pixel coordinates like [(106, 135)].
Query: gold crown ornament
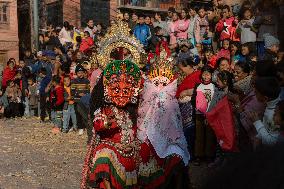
[(162, 67), (119, 37)]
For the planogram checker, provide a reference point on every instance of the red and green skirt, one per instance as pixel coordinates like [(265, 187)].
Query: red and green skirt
[(107, 163)]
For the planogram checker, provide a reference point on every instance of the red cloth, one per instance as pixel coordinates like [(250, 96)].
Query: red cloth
[(164, 44), (189, 82), (8, 74), (220, 118), (213, 62), (86, 44), (226, 28), (224, 53)]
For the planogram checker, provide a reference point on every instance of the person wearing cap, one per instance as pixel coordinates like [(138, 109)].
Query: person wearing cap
[(271, 45), (80, 86)]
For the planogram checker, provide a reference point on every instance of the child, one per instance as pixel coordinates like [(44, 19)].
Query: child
[(79, 88), (69, 108), (3, 104), (224, 51), (235, 53), (45, 80), (246, 29), (95, 76), (202, 29), (225, 27), (267, 90), (14, 95), (223, 65), (33, 97), (204, 142), (72, 70), (87, 42), (211, 59), (224, 84), (57, 103)]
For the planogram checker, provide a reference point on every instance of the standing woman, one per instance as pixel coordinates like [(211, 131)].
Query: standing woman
[(184, 94), (173, 27), (183, 25)]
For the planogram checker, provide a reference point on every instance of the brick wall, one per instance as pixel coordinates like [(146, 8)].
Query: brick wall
[(113, 8), (9, 41), (72, 12)]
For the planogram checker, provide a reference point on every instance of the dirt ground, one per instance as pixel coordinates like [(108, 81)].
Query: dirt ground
[(32, 157)]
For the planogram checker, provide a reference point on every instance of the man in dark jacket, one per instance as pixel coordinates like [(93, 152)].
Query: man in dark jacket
[(42, 93)]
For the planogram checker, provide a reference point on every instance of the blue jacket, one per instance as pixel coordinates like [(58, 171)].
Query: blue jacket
[(43, 84), (142, 33)]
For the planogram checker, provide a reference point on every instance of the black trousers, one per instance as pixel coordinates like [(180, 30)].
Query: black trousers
[(44, 107)]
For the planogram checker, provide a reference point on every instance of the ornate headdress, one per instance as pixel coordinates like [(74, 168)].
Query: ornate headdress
[(119, 37), (161, 70)]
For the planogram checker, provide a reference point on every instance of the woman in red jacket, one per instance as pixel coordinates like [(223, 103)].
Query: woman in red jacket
[(87, 42), (183, 94)]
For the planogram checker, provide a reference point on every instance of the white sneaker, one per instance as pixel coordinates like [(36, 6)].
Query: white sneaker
[(81, 132)]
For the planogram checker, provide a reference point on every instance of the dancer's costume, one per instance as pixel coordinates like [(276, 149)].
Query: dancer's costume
[(160, 126), (114, 150)]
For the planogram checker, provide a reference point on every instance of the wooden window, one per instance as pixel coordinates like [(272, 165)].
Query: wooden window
[(4, 14)]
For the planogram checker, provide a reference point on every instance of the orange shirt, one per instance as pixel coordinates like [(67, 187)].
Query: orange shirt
[(68, 90)]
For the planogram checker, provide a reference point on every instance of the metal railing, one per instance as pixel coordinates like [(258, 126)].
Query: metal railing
[(154, 4)]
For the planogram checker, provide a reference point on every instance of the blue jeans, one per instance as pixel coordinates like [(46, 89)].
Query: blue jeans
[(67, 114), (56, 118)]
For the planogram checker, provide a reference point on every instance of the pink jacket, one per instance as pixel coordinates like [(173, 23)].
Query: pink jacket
[(178, 30), (182, 28)]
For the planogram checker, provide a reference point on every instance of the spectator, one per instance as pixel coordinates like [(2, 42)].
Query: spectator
[(271, 48), (57, 103), (14, 94), (32, 97), (162, 24), (43, 92), (171, 11), (247, 30), (91, 29), (225, 26), (267, 91), (142, 31), (8, 73), (266, 21), (134, 21), (156, 38), (95, 76), (80, 86), (69, 108), (193, 17), (65, 35), (201, 30), (3, 104), (87, 42)]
